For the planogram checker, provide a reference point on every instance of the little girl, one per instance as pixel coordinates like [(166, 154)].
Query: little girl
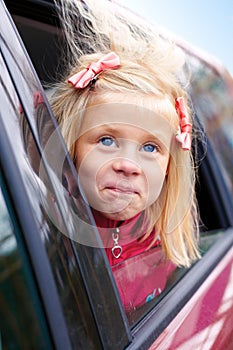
[(127, 125)]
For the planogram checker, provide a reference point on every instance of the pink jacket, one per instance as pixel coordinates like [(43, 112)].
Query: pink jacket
[(140, 273)]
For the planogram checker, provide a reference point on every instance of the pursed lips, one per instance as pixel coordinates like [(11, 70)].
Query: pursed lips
[(120, 189)]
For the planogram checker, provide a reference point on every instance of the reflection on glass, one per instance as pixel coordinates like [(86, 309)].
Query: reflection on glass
[(21, 323), (48, 164)]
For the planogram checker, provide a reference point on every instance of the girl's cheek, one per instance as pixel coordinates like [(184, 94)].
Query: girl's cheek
[(91, 163), (82, 150)]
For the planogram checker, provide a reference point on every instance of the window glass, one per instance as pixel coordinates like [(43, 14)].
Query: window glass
[(21, 323), (69, 238), (49, 209), (39, 160)]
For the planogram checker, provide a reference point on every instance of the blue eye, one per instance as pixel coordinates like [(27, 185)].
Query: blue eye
[(107, 141), (150, 148)]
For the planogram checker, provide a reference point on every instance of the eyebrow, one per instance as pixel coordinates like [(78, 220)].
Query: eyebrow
[(109, 129), (157, 135)]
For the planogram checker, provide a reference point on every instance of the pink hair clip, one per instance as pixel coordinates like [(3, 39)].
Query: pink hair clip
[(184, 134), (81, 79)]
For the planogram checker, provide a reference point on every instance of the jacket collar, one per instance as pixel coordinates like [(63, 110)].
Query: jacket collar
[(129, 230)]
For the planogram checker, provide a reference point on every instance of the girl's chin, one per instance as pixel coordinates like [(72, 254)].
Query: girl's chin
[(120, 216)]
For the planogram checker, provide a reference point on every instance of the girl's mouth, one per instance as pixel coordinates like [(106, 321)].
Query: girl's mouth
[(122, 189)]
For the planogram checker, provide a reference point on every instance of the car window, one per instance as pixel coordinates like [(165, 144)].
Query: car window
[(22, 322)]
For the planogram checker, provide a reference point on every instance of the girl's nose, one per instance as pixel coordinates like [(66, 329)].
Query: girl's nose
[(126, 166)]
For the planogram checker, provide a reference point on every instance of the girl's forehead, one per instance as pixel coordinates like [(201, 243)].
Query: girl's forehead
[(130, 115)]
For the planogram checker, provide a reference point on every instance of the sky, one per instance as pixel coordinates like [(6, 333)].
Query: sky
[(207, 24)]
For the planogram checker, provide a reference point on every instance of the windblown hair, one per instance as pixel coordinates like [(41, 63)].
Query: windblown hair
[(149, 69)]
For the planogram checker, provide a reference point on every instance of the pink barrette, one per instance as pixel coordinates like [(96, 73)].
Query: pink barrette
[(81, 79), (184, 134)]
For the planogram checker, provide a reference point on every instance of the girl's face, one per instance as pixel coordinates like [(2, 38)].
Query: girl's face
[(122, 158)]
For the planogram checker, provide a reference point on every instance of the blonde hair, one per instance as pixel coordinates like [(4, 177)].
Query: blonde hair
[(149, 67)]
